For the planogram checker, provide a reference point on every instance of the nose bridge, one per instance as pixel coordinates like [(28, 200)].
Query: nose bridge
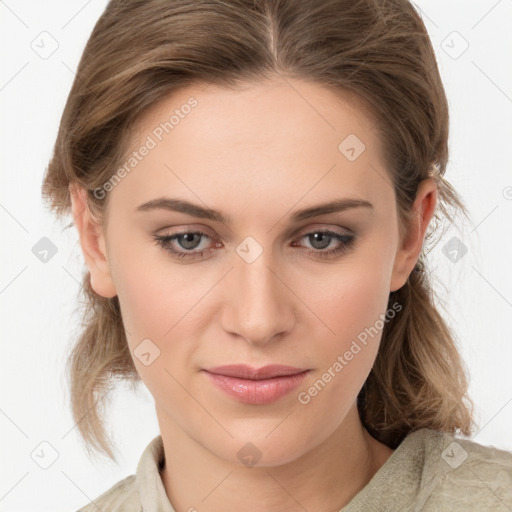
[(258, 304)]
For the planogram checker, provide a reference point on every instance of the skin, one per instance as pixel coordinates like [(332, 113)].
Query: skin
[(257, 154)]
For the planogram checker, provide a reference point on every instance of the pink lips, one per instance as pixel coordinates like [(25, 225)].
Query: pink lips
[(256, 385)]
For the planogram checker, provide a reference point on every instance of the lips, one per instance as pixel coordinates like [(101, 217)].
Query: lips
[(243, 371), (256, 386)]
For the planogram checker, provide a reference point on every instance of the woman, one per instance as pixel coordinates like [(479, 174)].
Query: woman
[(253, 185)]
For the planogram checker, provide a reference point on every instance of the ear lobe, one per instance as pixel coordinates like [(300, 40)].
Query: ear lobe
[(92, 241), (409, 251)]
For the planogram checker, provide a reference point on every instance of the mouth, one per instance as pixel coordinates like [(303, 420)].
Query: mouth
[(243, 371), (256, 386)]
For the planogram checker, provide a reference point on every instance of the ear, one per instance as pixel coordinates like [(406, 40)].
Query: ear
[(93, 243), (410, 248)]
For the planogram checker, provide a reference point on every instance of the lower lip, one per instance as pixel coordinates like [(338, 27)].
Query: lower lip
[(255, 392)]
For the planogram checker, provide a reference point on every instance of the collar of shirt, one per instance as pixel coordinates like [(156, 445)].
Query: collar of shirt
[(153, 497)]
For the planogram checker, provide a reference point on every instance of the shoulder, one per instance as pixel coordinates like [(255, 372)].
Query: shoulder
[(122, 497), (461, 474), (141, 491)]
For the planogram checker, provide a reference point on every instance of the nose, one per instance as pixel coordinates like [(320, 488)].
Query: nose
[(259, 305)]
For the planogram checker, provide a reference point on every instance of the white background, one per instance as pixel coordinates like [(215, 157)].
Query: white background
[(38, 301)]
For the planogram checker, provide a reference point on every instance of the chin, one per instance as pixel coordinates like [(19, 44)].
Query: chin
[(261, 450)]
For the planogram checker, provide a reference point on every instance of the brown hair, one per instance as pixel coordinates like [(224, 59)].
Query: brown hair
[(142, 50)]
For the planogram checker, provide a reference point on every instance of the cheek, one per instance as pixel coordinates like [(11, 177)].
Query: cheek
[(154, 292), (160, 302), (355, 312), (357, 295)]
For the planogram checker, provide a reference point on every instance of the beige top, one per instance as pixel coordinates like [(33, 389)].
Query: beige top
[(428, 472)]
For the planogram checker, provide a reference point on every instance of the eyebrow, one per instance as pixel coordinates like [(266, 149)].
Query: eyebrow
[(194, 210)]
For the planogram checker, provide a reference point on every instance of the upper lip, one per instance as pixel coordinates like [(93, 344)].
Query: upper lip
[(244, 371)]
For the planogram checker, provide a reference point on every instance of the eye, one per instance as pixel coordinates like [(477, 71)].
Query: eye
[(188, 240), (321, 239)]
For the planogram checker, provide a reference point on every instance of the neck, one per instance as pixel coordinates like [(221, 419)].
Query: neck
[(324, 478)]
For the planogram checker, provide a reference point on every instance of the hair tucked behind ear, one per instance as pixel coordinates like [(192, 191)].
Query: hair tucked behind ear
[(418, 378), (376, 51)]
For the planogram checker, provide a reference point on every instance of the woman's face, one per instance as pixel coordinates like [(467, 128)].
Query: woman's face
[(259, 288)]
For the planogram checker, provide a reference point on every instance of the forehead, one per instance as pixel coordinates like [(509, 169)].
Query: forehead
[(260, 138), (257, 112)]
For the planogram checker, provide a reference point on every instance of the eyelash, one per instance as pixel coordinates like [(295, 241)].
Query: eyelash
[(346, 240)]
